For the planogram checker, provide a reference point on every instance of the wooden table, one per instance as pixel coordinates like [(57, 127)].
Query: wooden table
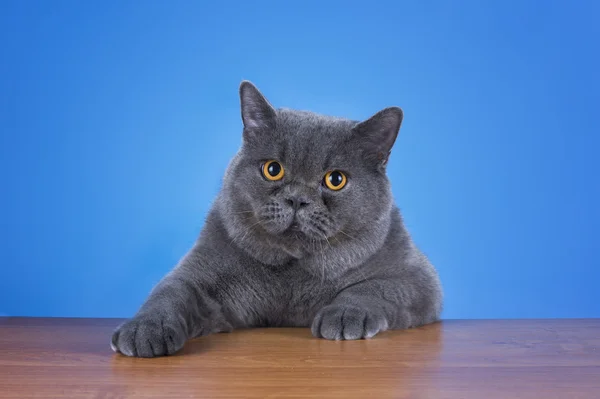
[(71, 358)]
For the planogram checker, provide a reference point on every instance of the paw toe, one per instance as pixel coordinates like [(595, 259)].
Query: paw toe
[(346, 323), (146, 338), (353, 325)]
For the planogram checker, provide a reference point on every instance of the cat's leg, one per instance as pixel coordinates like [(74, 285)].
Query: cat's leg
[(178, 308), (362, 310)]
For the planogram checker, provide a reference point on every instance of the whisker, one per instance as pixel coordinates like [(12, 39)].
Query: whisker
[(347, 235)]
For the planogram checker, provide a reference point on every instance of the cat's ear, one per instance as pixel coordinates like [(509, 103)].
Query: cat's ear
[(257, 113), (378, 134)]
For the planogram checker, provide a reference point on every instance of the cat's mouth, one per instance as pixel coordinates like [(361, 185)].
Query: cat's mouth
[(294, 231), (294, 227)]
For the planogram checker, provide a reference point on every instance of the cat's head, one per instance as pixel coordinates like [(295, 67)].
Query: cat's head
[(302, 182)]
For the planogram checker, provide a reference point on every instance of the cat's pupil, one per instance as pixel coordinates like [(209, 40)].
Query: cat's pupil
[(274, 168), (335, 178)]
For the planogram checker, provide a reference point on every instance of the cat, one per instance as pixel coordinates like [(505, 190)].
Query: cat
[(303, 233)]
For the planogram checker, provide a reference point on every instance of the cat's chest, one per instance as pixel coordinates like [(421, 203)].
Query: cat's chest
[(300, 296)]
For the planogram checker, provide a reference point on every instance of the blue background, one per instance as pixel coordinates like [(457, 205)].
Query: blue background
[(118, 118)]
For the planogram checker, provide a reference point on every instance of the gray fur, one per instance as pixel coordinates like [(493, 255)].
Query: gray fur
[(342, 263)]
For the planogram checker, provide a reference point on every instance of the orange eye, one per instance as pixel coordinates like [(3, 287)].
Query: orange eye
[(272, 170), (335, 180)]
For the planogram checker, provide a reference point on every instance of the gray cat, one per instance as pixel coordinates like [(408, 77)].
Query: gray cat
[(304, 232)]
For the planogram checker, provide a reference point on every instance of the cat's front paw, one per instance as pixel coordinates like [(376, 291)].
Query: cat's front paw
[(148, 336), (347, 323)]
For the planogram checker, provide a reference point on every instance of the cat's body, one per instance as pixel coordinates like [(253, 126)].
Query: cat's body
[(294, 249)]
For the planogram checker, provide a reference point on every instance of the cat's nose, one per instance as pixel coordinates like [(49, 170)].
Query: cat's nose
[(297, 202)]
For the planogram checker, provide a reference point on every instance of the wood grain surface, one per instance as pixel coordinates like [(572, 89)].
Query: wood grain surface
[(71, 358)]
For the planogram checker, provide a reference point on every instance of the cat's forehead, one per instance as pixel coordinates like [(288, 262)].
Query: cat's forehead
[(308, 141), (310, 122), (310, 136)]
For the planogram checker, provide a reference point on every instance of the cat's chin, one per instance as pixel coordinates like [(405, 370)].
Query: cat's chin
[(296, 252), (296, 232)]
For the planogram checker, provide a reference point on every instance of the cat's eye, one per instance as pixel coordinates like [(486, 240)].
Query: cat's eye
[(335, 180), (272, 170)]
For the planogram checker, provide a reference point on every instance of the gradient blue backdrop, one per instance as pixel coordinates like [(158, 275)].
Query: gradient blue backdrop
[(118, 118)]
